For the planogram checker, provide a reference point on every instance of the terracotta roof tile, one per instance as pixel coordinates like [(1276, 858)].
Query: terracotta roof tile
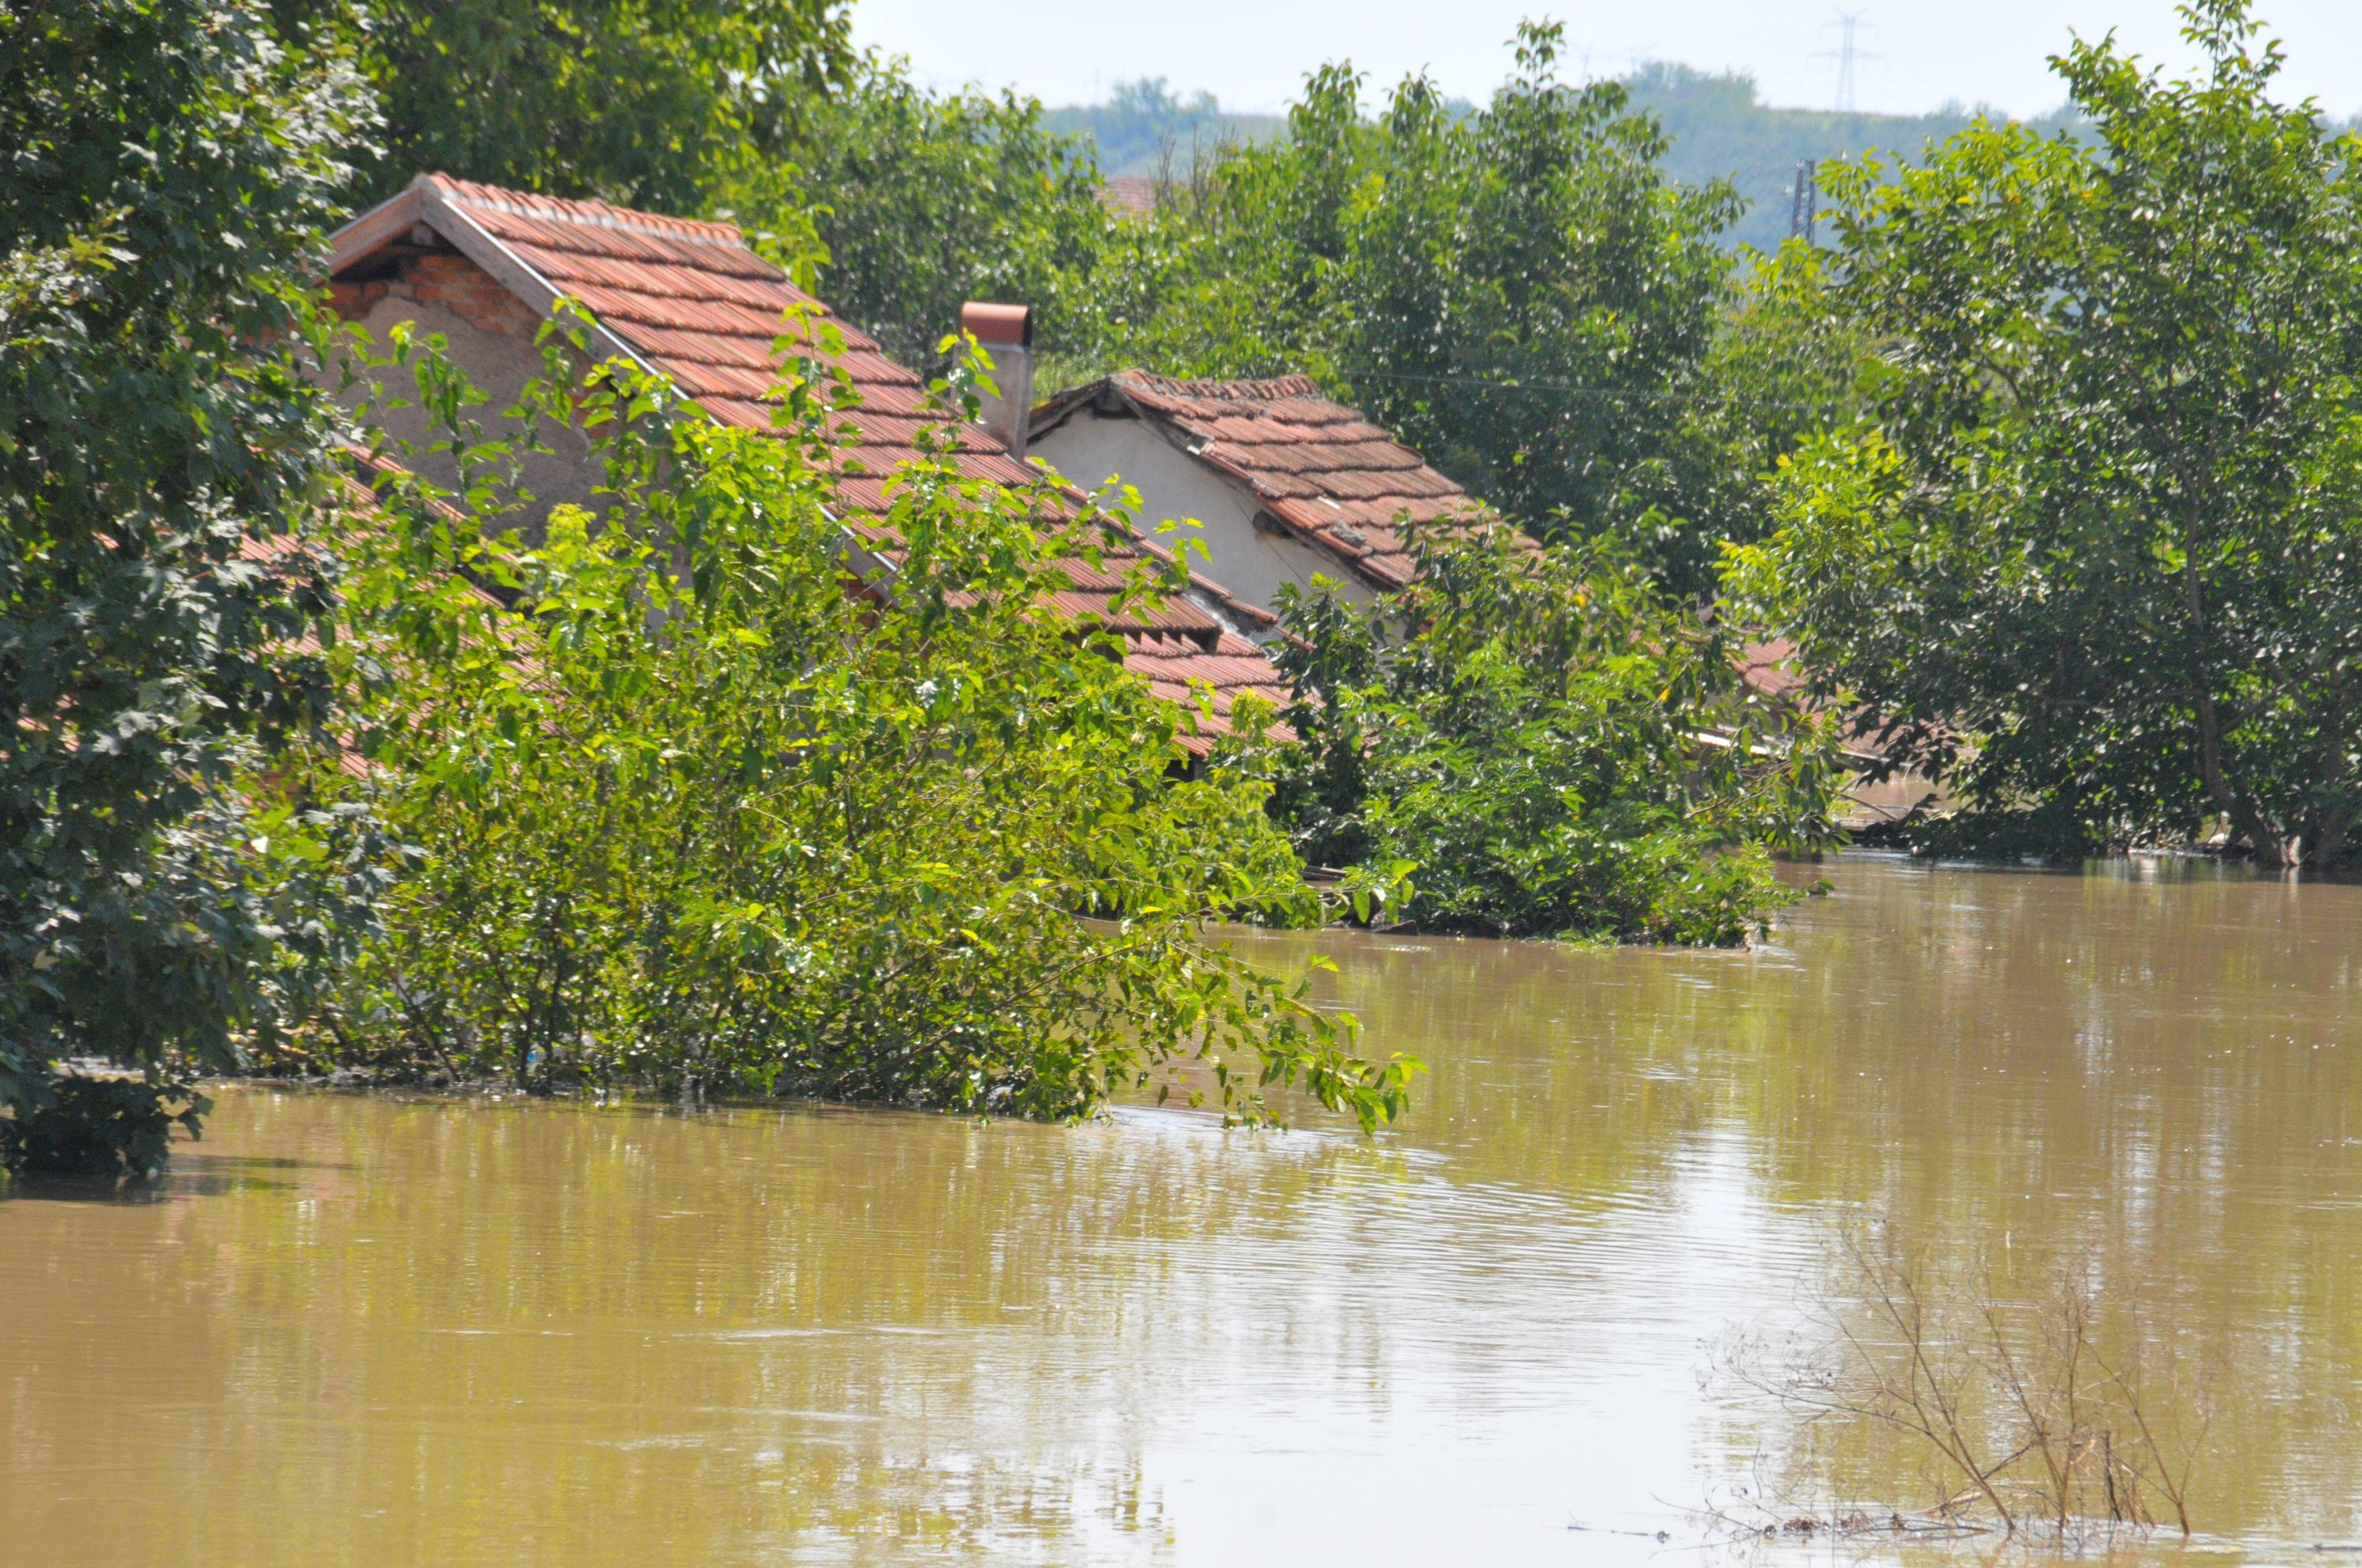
[(695, 302), (1321, 470), (1129, 196)]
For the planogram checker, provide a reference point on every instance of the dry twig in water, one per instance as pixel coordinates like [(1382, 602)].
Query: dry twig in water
[(2036, 1418)]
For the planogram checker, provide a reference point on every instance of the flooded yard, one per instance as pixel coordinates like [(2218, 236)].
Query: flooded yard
[(367, 1329)]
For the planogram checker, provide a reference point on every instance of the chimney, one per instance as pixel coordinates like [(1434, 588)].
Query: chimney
[(1006, 331)]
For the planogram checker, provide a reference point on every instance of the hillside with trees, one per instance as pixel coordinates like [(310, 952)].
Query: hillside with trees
[(1719, 127)]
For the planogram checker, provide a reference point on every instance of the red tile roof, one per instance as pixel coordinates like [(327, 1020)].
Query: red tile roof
[(1320, 469), (691, 301), (1769, 669), (1130, 195)]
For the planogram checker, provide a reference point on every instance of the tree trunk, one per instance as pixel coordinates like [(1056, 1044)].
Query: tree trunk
[(2270, 846)]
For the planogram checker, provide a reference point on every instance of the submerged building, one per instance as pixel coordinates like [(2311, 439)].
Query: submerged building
[(1285, 483), (483, 267)]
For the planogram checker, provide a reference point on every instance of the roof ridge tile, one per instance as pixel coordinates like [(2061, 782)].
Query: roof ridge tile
[(586, 210)]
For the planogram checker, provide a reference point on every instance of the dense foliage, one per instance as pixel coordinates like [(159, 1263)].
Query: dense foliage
[(913, 202), (169, 170), (648, 103), (686, 812), (1555, 751), (1716, 124), (2096, 550), (1519, 292)]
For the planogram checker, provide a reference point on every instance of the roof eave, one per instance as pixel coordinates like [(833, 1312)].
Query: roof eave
[(1059, 407), (425, 201)]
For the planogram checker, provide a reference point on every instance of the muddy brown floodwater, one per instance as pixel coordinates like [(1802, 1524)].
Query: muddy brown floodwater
[(364, 1330)]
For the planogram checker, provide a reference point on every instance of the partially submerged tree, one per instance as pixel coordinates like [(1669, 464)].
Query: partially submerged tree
[(2096, 550), (712, 799), (1548, 748), (170, 170)]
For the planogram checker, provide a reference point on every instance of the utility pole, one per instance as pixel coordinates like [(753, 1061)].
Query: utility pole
[(1845, 54), (1805, 206)]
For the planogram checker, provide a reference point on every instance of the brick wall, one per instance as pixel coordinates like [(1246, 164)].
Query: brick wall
[(446, 279)]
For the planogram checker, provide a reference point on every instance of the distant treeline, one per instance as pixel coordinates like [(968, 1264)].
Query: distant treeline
[(1721, 129), (1146, 128)]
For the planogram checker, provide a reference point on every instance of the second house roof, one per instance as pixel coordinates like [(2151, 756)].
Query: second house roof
[(1321, 471)]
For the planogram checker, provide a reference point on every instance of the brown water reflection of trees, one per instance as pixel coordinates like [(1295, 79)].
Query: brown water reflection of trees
[(529, 1331), (2155, 1065)]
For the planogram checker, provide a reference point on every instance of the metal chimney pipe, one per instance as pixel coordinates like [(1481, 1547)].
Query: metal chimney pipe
[(1006, 332)]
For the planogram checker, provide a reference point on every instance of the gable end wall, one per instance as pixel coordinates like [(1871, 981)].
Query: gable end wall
[(1252, 562), (489, 333)]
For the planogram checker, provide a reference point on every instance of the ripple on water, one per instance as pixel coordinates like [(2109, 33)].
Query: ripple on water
[(356, 1328)]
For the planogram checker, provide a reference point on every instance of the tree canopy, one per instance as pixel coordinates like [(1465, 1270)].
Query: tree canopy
[(911, 202), (171, 167), (2095, 551), (647, 103)]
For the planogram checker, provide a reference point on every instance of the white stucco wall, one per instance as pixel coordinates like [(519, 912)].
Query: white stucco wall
[(1090, 448)]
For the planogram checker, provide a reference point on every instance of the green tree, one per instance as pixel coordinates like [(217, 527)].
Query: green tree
[(1781, 370), (1556, 751), (648, 102), (686, 813), (1519, 292), (170, 170), (2096, 552), (919, 201)]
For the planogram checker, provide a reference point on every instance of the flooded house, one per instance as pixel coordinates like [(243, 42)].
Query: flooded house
[(1284, 482), (1287, 483), (482, 267), (1876, 792)]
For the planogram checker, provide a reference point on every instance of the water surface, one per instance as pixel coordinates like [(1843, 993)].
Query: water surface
[(365, 1329)]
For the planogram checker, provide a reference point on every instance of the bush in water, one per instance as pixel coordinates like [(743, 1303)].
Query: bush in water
[(1556, 750), (690, 813), (100, 1123)]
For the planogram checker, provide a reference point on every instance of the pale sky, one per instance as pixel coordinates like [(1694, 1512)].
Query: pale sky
[(1252, 54)]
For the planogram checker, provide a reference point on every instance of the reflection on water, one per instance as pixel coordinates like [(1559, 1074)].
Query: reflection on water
[(362, 1329)]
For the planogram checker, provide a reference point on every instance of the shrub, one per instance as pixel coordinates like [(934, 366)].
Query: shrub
[(1555, 751), (100, 1123), (695, 814)]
